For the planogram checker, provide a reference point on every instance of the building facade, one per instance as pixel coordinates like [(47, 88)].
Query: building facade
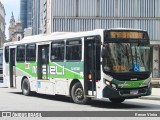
[(26, 13), (11, 26), (41, 16), (2, 25), (28, 32), (37, 16), (15, 30)]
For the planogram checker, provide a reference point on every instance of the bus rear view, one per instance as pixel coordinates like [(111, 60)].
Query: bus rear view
[(126, 64)]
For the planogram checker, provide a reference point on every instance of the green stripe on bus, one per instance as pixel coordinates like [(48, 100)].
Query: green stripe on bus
[(56, 69), (131, 84)]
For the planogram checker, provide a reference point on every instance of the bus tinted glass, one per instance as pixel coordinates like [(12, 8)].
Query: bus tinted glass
[(73, 50), (57, 51), (126, 52), (20, 53), (7, 54), (31, 52)]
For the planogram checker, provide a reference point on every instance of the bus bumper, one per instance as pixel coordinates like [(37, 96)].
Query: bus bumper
[(109, 92)]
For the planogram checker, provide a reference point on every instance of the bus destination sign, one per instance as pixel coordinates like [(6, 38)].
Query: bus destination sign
[(126, 35)]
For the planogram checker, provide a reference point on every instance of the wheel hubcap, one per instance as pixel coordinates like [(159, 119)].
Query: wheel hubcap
[(79, 93)]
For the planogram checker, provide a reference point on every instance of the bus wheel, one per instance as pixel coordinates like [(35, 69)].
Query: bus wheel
[(77, 94), (114, 100), (26, 87)]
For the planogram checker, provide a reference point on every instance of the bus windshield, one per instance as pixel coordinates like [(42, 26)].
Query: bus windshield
[(126, 56)]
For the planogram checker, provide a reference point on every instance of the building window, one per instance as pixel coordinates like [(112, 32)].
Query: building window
[(73, 49), (57, 51), (20, 57), (7, 54), (31, 52)]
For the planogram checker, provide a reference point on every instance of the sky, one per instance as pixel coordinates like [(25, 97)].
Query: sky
[(11, 6)]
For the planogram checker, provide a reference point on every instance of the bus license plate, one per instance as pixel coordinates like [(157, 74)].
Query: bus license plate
[(134, 92)]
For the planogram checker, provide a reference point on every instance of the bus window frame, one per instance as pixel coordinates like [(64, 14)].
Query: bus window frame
[(18, 61), (6, 59), (27, 52), (66, 45), (57, 41)]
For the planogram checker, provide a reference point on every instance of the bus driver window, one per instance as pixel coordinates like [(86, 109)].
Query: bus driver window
[(106, 57)]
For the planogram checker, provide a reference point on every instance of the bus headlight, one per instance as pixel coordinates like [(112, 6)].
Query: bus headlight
[(107, 82)]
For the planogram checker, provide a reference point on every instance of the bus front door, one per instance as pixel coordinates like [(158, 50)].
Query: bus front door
[(43, 62), (12, 68), (91, 64)]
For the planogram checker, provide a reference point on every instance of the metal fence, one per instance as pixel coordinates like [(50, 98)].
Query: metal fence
[(74, 25), (82, 15)]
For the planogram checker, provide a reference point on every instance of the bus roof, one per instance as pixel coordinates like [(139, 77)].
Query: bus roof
[(54, 36), (128, 29), (62, 35)]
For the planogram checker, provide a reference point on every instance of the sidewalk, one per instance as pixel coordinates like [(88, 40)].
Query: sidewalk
[(154, 96)]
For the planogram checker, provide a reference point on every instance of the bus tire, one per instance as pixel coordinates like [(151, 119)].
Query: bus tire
[(77, 94), (116, 100), (26, 87)]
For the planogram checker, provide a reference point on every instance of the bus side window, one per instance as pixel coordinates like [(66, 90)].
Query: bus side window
[(57, 51), (31, 52), (74, 50), (20, 57), (7, 54)]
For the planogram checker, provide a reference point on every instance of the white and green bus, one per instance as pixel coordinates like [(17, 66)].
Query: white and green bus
[(113, 63)]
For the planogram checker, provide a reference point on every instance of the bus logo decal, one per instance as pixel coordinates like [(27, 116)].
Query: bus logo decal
[(39, 84), (136, 67), (54, 70)]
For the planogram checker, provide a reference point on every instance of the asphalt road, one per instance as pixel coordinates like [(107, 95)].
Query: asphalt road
[(13, 100)]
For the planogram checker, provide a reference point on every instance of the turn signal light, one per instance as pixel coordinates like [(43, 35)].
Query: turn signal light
[(90, 76)]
